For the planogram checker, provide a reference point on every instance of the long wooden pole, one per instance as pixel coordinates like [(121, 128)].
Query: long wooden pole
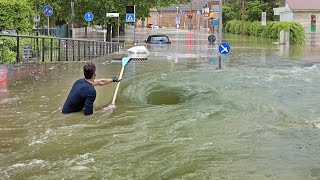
[(117, 88)]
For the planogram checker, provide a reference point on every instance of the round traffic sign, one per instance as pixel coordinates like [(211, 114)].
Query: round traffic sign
[(224, 48), (47, 11), (212, 38), (88, 16)]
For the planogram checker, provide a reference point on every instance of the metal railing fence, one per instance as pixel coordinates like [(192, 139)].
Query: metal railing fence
[(48, 49)]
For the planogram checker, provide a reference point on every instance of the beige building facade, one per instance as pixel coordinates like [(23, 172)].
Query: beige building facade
[(306, 12)]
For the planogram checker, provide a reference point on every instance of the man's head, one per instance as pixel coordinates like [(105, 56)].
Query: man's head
[(89, 70)]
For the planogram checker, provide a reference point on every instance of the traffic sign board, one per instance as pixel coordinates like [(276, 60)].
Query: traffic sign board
[(130, 17), (47, 11), (215, 22), (177, 20), (112, 14), (224, 48), (263, 18), (36, 18), (212, 38), (88, 16)]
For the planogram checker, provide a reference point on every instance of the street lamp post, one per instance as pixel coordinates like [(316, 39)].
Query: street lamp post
[(72, 18), (177, 18)]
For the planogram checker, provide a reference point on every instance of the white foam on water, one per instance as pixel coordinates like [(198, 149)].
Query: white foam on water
[(80, 160), (182, 139), (206, 146), (9, 100), (25, 165), (79, 168), (42, 137)]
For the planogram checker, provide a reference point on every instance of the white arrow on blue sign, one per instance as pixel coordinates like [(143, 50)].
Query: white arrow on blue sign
[(129, 17), (88, 16), (47, 11), (224, 48)]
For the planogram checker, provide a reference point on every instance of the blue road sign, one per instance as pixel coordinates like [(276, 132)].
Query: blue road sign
[(129, 17), (224, 48), (214, 24), (177, 20), (88, 16), (47, 11)]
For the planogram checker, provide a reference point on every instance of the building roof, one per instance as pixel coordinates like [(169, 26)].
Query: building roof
[(185, 7), (304, 5)]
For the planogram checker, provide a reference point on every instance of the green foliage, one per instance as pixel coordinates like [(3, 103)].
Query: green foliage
[(15, 14), (272, 30), (7, 56), (6, 46), (99, 8), (253, 10)]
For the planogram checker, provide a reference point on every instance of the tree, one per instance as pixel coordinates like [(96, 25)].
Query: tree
[(16, 14), (255, 8), (99, 8)]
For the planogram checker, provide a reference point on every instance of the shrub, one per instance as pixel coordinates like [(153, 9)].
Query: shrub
[(272, 30)]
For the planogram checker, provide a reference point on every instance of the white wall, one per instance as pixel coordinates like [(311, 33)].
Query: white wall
[(286, 16)]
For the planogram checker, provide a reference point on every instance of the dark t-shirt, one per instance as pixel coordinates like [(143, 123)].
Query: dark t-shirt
[(82, 95)]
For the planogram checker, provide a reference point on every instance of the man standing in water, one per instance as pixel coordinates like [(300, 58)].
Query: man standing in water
[(83, 93)]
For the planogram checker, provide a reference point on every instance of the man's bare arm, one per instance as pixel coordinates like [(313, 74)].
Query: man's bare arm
[(102, 82)]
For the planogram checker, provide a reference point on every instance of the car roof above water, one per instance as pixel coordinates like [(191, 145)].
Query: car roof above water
[(158, 35)]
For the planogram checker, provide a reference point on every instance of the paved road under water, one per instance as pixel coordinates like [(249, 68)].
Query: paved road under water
[(178, 115)]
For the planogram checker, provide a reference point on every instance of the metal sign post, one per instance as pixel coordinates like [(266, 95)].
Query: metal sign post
[(72, 18), (47, 11), (115, 15), (130, 17), (88, 17)]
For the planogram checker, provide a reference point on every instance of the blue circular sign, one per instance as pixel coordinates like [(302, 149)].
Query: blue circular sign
[(47, 11), (88, 16), (224, 48)]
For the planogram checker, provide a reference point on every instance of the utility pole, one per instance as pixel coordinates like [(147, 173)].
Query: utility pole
[(220, 30), (242, 19), (72, 18), (198, 13)]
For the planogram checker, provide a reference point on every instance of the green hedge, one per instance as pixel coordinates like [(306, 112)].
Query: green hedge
[(272, 30)]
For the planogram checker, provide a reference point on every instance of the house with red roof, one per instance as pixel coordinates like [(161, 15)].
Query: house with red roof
[(305, 12)]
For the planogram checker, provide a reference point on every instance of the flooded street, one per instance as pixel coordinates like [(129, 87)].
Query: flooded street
[(178, 115)]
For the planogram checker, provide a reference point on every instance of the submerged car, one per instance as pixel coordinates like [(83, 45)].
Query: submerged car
[(158, 39)]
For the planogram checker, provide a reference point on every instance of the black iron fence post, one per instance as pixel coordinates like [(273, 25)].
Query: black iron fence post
[(104, 52), (59, 44), (18, 50), (100, 44), (89, 50), (79, 57), (51, 47), (43, 49), (72, 50), (67, 50), (84, 48)]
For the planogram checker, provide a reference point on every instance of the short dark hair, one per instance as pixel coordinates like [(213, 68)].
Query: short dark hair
[(88, 70)]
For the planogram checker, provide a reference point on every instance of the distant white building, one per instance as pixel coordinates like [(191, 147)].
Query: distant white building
[(305, 12)]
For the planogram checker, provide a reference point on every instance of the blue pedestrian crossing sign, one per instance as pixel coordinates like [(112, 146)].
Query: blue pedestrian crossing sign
[(224, 48), (130, 17), (88, 16), (47, 11)]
